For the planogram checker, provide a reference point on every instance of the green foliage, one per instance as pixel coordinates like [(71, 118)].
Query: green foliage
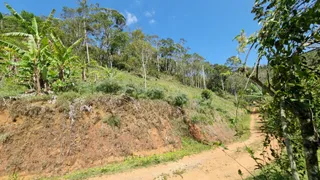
[(180, 100), (135, 91), (201, 119), (109, 86), (294, 84), (113, 121), (10, 87), (63, 86), (4, 137), (65, 99), (155, 94), (206, 94)]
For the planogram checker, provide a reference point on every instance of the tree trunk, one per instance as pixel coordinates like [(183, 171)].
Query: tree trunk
[(222, 84), (310, 143), (144, 70), (287, 141), (61, 74), (84, 75), (158, 61), (37, 80), (204, 78), (86, 42)]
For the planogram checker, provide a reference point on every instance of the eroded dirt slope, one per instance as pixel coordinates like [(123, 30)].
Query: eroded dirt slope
[(39, 138), (219, 163)]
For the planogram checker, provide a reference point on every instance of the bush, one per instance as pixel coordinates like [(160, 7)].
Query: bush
[(68, 96), (201, 119), (135, 92), (10, 87), (64, 100), (155, 94), (109, 87), (63, 86), (180, 100), (206, 94), (4, 137), (85, 87), (113, 121)]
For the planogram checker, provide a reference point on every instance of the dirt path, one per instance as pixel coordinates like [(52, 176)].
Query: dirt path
[(216, 164)]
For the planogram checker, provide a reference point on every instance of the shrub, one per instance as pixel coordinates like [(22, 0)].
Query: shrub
[(63, 86), (109, 87), (64, 99), (155, 94), (85, 87), (206, 94), (68, 96), (113, 121), (200, 118), (4, 137), (180, 100), (135, 92)]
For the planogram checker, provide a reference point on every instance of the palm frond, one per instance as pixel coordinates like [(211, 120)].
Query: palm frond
[(15, 13), (48, 21), (35, 28), (15, 34), (69, 50), (12, 46)]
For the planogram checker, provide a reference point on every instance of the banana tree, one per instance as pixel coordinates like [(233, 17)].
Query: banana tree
[(62, 56), (33, 49), (8, 61)]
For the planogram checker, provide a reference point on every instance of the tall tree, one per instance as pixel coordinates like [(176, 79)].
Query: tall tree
[(289, 28)]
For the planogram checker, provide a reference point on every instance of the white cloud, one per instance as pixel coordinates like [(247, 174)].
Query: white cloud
[(131, 18), (150, 13), (152, 21)]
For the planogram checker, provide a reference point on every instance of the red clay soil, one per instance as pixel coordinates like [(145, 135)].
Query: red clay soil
[(42, 140), (39, 138), (219, 163)]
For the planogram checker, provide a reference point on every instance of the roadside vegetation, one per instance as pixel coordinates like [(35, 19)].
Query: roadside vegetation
[(85, 55)]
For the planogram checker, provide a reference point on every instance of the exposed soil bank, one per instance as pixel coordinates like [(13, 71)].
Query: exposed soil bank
[(41, 138)]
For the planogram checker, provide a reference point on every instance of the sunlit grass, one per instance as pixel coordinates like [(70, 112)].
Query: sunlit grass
[(189, 147)]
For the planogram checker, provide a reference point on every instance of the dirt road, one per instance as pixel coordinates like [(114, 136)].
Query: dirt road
[(216, 164)]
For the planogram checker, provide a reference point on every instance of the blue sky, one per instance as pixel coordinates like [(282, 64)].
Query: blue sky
[(209, 26)]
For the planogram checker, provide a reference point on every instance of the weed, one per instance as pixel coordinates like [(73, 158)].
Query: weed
[(39, 98), (163, 176), (200, 119), (113, 121), (155, 94), (109, 86), (180, 100), (64, 99), (179, 172), (135, 91), (4, 137), (206, 94), (14, 176)]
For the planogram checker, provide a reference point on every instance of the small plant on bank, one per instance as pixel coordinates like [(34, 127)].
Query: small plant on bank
[(135, 91), (113, 121), (109, 86), (200, 119), (206, 94), (4, 137), (155, 94), (180, 100)]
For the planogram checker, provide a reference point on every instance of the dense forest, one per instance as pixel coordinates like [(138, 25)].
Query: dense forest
[(90, 44)]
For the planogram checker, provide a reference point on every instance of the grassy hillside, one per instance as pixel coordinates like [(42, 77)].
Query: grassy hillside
[(146, 118)]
